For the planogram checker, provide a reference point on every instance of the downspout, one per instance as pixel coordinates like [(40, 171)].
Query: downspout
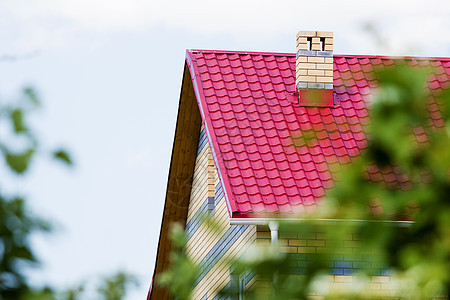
[(273, 226)]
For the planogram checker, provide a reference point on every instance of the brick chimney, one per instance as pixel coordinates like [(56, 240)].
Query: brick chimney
[(314, 68)]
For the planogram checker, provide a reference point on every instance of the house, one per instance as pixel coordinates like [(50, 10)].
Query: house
[(238, 153)]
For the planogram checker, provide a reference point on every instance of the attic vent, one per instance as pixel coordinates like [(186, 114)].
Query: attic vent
[(314, 68)]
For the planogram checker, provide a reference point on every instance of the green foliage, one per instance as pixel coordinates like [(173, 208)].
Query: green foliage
[(73, 293), (403, 139), (180, 279), (15, 229), (17, 223), (419, 255), (114, 287), (15, 116)]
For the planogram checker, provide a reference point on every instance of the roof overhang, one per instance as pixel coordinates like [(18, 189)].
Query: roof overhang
[(180, 178)]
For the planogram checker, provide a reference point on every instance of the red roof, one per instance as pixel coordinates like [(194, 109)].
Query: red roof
[(266, 161)]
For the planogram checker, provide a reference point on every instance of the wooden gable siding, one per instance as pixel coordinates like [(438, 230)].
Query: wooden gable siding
[(210, 247), (180, 177)]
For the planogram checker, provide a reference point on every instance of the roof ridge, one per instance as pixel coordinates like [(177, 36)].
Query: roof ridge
[(265, 53)]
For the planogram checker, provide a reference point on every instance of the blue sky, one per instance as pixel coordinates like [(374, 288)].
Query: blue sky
[(109, 75)]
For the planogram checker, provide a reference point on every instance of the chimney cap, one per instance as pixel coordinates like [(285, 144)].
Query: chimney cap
[(314, 34)]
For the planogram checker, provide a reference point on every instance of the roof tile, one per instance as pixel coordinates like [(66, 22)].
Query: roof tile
[(254, 127)]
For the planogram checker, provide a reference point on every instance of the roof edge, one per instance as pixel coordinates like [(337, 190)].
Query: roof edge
[(201, 101)]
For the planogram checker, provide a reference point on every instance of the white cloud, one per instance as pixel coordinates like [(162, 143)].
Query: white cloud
[(213, 15), (49, 21)]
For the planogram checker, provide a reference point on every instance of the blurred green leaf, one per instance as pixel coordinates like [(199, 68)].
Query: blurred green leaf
[(62, 156), (19, 162), (31, 95), (16, 116)]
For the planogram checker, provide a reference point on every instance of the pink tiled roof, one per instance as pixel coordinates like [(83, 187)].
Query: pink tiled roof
[(274, 155)]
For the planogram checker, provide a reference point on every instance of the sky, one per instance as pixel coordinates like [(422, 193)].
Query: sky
[(109, 75)]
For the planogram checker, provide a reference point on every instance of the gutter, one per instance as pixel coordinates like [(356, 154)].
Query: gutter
[(273, 223), (268, 221)]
